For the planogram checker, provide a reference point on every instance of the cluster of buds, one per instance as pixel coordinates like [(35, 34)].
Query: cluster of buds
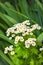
[(9, 49)]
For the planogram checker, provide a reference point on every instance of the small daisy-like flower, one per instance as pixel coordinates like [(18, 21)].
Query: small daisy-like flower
[(12, 52), (26, 22), (41, 49), (6, 50), (33, 43), (8, 34), (29, 30), (17, 38), (27, 45), (12, 29), (12, 35), (21, 39), (25, 33), (10, 38), (10, 48), (39, 27), (34, 39), (31, 33), (8, 30)]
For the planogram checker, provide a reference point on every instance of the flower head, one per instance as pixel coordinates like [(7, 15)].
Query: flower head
[(9, 49), (30, 41)]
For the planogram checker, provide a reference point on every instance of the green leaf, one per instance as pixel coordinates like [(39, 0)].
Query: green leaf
[(32, 62), (6, 58), (23, 8), (5, 19), (14, 14), (34, 50), (5, 38), (40, 38), (2, 26), (9, 5)]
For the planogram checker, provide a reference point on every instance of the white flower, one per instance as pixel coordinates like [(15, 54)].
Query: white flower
[(10, 38), (31, 33), (26, 22), (12, 35), (39, 27), (25, 33), (17, 38), (21, 39), (8, 34), (36, 26), (8, 30), (41, 49), (15, 42), (27, 45), (12, 29), (6, 50), (33, 43), (21, 28), (10, 48), (29, 30), (12, 52)]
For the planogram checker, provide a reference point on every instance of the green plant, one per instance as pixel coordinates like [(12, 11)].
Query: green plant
[(10, 15)]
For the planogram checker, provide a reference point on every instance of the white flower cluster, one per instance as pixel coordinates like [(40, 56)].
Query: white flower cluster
[(18, 38), (36, 26), (30, 41), (23, 28), (10, 48), (41, 49)]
